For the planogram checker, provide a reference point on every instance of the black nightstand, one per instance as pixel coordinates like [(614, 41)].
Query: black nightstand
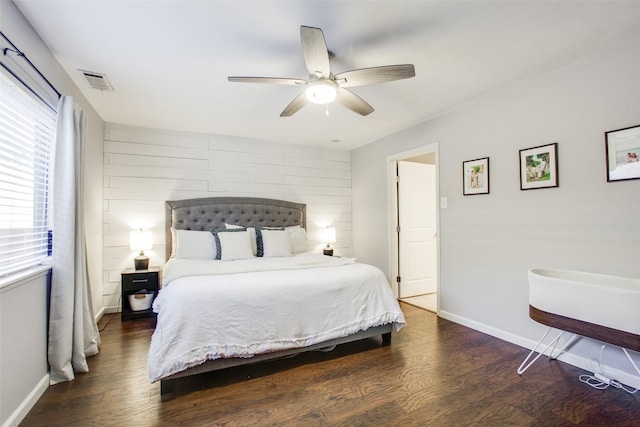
[(137, 280)]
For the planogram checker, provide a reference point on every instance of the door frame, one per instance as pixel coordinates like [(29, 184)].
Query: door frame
[(392, 205)]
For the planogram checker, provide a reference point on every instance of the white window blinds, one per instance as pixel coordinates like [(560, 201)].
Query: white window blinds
[(27, 132)]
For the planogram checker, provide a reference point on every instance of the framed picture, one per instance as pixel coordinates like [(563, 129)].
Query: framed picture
[(623, 153), (475, 176), (539, 167)]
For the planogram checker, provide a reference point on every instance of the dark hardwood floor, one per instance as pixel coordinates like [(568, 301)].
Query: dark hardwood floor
[(435, 373)]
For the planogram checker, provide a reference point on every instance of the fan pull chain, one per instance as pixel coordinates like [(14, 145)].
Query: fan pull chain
[(327, 111)]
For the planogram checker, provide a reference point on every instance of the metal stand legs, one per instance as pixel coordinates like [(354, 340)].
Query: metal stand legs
[(524, 365), (631, 360), (527, 363)]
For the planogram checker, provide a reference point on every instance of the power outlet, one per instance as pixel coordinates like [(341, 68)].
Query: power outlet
[(443, 202)]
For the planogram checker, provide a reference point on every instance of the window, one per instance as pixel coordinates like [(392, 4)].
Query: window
[(27, 132)]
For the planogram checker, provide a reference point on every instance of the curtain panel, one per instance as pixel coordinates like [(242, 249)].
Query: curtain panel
[(73, 333)]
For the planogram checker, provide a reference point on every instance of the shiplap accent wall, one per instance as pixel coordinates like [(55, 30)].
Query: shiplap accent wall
[(144, 168)]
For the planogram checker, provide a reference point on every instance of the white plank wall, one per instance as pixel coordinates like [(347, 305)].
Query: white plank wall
[(144, 168)]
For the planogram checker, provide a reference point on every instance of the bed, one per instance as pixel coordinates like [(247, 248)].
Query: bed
[(250, 291)]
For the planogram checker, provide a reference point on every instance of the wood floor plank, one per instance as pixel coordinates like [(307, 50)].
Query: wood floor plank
[(434, 373)]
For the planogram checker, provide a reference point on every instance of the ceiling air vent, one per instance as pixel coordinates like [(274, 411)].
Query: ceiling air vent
[(97, 80)]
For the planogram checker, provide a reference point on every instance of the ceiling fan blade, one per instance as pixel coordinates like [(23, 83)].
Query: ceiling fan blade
[(373, 75), (295, 105), (316, 55), (353, 102), (271, 80)]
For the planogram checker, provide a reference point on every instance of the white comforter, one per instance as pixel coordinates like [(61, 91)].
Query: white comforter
[(218, 309)]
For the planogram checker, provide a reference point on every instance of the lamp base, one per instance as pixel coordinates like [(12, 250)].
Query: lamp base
[(328, 251), (141, 262)]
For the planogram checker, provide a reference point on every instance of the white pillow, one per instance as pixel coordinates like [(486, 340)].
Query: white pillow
[(276, 243), (297, 233), (173, 242), (235, 245), (191, 244), (298, 238), (252, 231)]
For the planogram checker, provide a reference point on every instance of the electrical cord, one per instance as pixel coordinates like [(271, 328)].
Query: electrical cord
[(600, 381), (108, 321), (114, 315)]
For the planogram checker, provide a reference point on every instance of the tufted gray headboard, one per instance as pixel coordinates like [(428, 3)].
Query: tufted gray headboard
[(212, 212)]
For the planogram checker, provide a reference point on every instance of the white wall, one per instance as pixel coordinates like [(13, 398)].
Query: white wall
[(28, 296), (23, 351), (489, 242), (144, 168)]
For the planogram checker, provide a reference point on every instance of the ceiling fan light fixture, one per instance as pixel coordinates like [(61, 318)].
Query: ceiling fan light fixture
[(321, 87), (321, 92)]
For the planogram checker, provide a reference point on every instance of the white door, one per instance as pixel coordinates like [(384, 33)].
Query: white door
[(417, 240)]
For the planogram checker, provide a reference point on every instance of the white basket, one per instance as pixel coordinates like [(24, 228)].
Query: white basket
[(141, 300)]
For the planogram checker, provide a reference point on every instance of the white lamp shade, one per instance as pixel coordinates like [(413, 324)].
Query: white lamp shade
[(140, 240), (329, 235)]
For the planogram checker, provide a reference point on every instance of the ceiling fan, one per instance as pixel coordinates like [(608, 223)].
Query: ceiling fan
[(322, 86)]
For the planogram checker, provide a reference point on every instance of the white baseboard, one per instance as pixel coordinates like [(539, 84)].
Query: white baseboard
[(99, 315), (113, 309), (489, 330), (21, 411), (627, 378), (106, 310)]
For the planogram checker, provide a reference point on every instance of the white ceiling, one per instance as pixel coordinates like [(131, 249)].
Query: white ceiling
[(169, 60)]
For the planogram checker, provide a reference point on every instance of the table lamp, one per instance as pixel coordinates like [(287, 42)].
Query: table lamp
[(329, 236), (139, 241)]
